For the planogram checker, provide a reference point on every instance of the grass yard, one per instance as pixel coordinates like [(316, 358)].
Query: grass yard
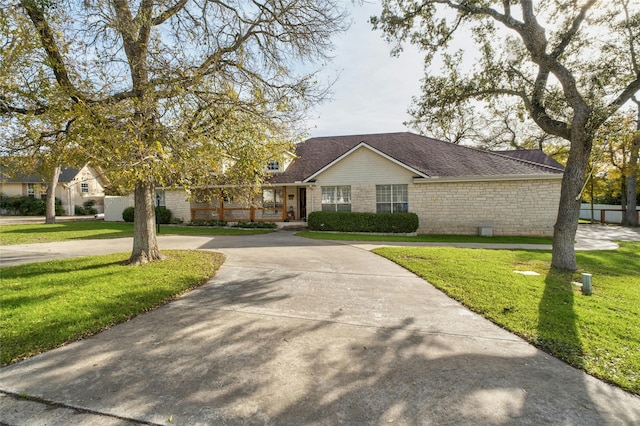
[(45, 305), (340, 236), (599, 333), (82, 230)]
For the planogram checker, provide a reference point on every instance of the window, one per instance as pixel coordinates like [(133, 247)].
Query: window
[(272, 199), (392, 199), (336, 198), (43, 192), (84, 188), (273, 166), (31, 190)]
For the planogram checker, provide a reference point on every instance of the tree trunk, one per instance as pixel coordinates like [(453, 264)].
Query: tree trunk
[(623, 197), (145, 244), (630, 217), (563, 252), (51, 197)]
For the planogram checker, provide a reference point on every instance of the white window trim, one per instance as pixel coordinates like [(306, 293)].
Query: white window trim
[(394, 188), (334, 201)]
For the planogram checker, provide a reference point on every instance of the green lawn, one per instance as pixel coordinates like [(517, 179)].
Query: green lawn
[(82, 230), (45, 305), (340, 236), (599, 333)]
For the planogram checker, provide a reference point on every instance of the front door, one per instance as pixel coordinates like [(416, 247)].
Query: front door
[(303, 203)]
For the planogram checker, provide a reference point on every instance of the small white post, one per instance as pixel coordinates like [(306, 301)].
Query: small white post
[(586, 284)]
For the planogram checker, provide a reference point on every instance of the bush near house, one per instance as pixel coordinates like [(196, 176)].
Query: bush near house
[(207, 223), (86, 209), (255, 225), (363, 222), (163, 215), (26, 206)]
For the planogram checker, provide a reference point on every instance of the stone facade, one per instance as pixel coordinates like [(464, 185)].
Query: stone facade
[(522, 206), (517, 207), (177, 201)]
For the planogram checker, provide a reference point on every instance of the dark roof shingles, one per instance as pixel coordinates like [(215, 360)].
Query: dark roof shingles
[(429, 156)]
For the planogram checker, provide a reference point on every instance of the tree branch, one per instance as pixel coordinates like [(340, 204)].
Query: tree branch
[(168, 13), (51, 48)]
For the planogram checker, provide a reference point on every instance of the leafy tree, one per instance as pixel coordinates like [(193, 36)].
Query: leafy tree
[(569, 64), (617, 150), (172, 92)]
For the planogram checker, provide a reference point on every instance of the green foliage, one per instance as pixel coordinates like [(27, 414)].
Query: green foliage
[(86, 209), (424, 238), (127, 214), (598, 333), (163, 215), (363, 222), (80, 297), (207, 223), (255, 225), (27, 206), (98, 229)]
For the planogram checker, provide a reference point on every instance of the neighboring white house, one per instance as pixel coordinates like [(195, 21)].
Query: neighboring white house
[(75, 187), (452, 188)]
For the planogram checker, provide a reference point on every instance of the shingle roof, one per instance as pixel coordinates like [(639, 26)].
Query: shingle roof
[(533, 155), (9, 176), (431, 157)]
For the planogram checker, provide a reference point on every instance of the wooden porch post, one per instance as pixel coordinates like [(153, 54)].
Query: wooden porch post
[(284, 204)]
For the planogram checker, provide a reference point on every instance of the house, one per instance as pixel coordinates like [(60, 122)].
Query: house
[(75, 187), (453, 189)]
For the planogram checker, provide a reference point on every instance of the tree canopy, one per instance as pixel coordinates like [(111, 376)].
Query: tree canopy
[(570, 65), (165, 92)]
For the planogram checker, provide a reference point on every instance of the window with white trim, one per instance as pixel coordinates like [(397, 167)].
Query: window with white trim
[(336, 198), (84, 188), (31, 190), (273, 166), (392, 198)]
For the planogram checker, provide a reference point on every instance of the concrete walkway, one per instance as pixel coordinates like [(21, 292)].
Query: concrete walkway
[(297, 331)]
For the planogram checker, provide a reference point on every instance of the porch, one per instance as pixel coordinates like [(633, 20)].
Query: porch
[(278, 204)]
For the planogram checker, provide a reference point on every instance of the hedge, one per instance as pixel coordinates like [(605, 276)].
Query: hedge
[(163, 214), (363, 222), (27, 206)]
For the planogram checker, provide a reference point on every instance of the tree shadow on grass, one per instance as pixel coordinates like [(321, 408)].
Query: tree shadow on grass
[(557, 321)]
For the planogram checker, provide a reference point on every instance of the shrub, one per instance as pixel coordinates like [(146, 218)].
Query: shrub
[(80, 211), (207, 223), (253, 225), (363, 222), (26, 206), (163, 215), (127, 214), (88, 207)]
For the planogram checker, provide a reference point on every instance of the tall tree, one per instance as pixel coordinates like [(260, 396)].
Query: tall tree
[(630, 216), (615, 145), (570, 64), (187, 92)]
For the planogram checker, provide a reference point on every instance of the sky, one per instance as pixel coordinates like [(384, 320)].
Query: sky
[(374, 89)]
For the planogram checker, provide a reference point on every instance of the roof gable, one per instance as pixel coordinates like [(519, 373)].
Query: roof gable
[(427, 157), (365, 146)]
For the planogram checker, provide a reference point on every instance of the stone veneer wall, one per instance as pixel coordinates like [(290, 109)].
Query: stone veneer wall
[(178, 202), (520, 207)]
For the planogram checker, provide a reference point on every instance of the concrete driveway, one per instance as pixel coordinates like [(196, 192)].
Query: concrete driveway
[(296, 331)]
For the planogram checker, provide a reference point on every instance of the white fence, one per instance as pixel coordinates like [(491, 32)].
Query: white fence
[(606, 213), (113, 207)]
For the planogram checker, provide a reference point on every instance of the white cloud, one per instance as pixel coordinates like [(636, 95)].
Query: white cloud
[(374, 90)]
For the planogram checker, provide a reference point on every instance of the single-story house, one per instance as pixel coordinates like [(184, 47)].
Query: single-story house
[(453, 189), (75, 187)]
